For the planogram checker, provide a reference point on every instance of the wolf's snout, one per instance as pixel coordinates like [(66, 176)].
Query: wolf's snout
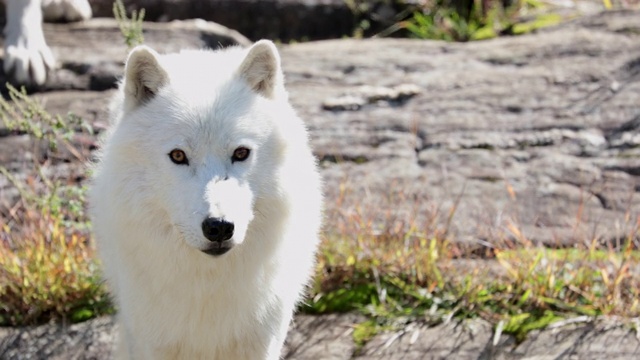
[(217, 230)]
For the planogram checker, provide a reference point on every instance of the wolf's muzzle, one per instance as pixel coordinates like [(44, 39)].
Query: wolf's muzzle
[(218, 231)]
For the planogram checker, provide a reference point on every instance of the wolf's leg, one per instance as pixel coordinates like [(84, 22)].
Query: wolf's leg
[(26, 54)]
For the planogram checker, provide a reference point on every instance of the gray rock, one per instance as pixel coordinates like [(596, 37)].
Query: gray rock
[(321, 337), (454, 340), (475, 339), (379, 95), (519, 131), (329, 337), (89, 340)]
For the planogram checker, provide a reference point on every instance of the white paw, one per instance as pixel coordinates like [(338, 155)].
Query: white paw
[(66, 10), (27, 58)]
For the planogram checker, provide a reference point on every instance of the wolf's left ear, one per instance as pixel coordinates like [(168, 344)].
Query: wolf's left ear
[(261, 68), (144, 76)]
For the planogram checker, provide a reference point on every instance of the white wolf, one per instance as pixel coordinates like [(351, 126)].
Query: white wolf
[(27, 58), (206, 205)]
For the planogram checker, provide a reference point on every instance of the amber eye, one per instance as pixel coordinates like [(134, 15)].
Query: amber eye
[(240, 154), (178, 157)]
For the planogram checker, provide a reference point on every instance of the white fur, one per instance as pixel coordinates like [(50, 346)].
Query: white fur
[(26, 54), (174, 301)]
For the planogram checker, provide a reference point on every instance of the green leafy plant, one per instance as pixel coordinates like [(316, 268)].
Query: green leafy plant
[(25, 115), (473, 20), (131, 28)]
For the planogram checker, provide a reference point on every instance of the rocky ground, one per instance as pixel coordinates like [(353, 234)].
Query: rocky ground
[(533, 138), (329, 337)]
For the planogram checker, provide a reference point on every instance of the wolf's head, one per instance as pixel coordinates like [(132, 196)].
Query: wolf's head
[(195, 139)]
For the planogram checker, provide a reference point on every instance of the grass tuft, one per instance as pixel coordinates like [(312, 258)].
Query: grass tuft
[(468, 20), (399, 273), (48, 271), (131, 28), (47, 266)]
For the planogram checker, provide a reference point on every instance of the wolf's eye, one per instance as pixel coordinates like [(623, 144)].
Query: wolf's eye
[(178, 157), (240, 154)]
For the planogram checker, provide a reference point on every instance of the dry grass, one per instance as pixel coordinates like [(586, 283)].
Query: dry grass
[(48, 271), (396, 271), (47, 266)]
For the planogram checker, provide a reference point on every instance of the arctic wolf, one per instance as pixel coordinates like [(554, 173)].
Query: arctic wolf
[(206, 205), (27, 58)]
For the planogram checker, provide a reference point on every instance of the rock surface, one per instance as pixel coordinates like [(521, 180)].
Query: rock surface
[(538, 132), (329, 337), (533, 138)]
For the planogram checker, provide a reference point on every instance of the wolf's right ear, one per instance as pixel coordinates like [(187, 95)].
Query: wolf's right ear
[(143, 76), (261, 68)]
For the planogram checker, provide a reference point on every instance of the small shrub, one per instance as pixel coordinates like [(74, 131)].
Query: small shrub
[(47, 266), (48, 271)]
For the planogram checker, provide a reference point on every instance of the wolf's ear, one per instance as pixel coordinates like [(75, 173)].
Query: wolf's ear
[(261, 68), (143, 76)]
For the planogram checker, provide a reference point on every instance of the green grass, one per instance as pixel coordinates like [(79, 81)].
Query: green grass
[(455, 20), (537, 286), (541, 21)]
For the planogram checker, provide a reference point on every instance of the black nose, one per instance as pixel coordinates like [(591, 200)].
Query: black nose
[(217, 230)]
